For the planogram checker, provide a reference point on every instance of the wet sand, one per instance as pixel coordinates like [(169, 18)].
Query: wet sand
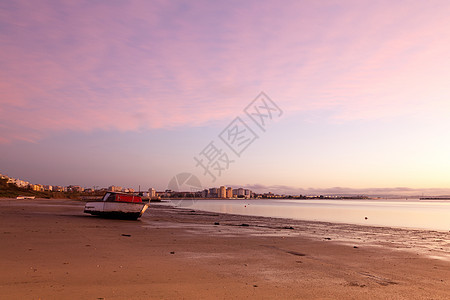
[(51, 250)]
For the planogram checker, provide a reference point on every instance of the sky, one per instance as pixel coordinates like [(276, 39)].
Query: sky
[(130, 93)]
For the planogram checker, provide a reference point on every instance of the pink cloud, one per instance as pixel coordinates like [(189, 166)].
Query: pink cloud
[(143, 65)]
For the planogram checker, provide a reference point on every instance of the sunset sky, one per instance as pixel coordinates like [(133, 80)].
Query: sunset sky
[(99, 93)]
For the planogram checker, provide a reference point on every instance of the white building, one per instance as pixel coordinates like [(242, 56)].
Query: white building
[(113, 188), (152, 192), (48, 187)]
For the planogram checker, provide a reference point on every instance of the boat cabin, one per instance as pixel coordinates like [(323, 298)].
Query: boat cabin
[(120, 197)]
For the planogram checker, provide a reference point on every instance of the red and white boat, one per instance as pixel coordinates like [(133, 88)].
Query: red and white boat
[(117, 205)]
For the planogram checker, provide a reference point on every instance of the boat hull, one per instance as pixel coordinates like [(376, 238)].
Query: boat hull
[(119, 210)]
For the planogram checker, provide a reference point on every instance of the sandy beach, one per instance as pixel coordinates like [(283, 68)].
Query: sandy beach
[(50, 249)]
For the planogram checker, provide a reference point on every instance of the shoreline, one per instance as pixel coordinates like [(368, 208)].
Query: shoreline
[(294, 212), (52, 250), (430, 243)]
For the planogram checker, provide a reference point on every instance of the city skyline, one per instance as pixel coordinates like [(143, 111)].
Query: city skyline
[(130, 93), (258, 189)]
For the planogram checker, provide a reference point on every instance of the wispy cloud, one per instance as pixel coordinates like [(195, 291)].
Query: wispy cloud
[(139, 65)]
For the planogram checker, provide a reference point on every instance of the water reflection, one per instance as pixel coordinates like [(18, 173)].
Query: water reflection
[(433, 215)]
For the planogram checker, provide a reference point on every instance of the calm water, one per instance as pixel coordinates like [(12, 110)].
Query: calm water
[(416, 213)]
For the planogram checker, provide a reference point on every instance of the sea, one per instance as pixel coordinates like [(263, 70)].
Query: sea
[(405, 213)]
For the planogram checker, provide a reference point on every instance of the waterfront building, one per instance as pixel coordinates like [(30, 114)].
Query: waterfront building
[(213, 192), (160, 194), (37, 187), (113, 188), (48, 187), (58, 188), (222, 192), (22, 184), (242, 193), (75, 188), (229, 192), (168, 193)]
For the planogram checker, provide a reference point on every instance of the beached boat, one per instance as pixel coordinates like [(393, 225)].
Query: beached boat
[(117, 205)]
